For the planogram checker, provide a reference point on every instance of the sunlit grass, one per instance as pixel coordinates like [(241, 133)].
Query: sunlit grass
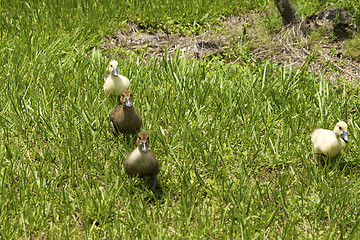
[(236, 158)]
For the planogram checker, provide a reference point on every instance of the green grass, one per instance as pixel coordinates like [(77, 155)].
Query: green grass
[(236, 158), (307, 8), (352, 46), (22, 18)]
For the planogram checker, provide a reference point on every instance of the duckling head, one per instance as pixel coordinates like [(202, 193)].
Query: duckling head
[(125, 98), (143, 141), (340, 130), (113, 68)]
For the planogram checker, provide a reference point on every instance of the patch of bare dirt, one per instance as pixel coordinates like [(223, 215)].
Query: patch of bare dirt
[(321, 57), (157, 43), (334, 21), (289, 46), (323, 52)]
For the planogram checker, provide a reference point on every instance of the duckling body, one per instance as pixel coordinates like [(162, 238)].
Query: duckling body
[(115, 83), (141, 161), (125, 118), (330, 143)]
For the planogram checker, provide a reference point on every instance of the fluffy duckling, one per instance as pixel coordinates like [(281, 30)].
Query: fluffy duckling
[(115, 83), (141, 161), (125, 118), (330, 143)]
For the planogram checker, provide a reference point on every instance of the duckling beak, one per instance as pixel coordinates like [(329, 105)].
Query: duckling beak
[(115, 72), (144, 146), (128, 102), (345, 136)]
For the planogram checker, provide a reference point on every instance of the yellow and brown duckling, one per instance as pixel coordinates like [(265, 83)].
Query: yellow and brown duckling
[(114, 82), (329, 143), (141, 161), (125, 118)]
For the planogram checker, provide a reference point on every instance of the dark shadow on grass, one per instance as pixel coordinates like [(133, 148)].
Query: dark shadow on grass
[(337, 162), (143, 184)]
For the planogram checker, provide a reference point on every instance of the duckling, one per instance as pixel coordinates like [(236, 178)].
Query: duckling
[(125, 118), (115, 83), (141, 161), (329, 143)]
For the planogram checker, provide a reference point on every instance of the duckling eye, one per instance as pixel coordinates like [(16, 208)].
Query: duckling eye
[(340, 128), (111, 65)]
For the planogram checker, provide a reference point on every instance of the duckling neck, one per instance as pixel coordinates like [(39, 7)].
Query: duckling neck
[(143, 153), (145, 156), (338, 138), (117, 79), (341, 141), (128, 109), (138, 156)]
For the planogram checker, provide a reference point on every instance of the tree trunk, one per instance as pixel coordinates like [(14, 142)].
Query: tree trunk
[(288, 12)]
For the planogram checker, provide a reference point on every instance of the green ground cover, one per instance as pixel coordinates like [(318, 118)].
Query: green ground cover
[(236, 158)]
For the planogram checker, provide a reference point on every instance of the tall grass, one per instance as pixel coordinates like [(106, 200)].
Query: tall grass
[(22, 18), (236, 158)]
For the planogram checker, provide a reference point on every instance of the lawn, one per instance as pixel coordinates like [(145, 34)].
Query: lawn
[(232, 138)]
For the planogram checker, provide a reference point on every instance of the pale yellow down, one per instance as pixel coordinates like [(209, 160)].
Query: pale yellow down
[(330, 143), (114, 82)]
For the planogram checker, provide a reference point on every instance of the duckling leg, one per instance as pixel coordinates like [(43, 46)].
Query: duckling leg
[(323, 160), (320, 159), (113, 128), (153, 185)]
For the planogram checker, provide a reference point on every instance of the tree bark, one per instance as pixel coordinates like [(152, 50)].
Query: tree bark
[(288, 12)]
